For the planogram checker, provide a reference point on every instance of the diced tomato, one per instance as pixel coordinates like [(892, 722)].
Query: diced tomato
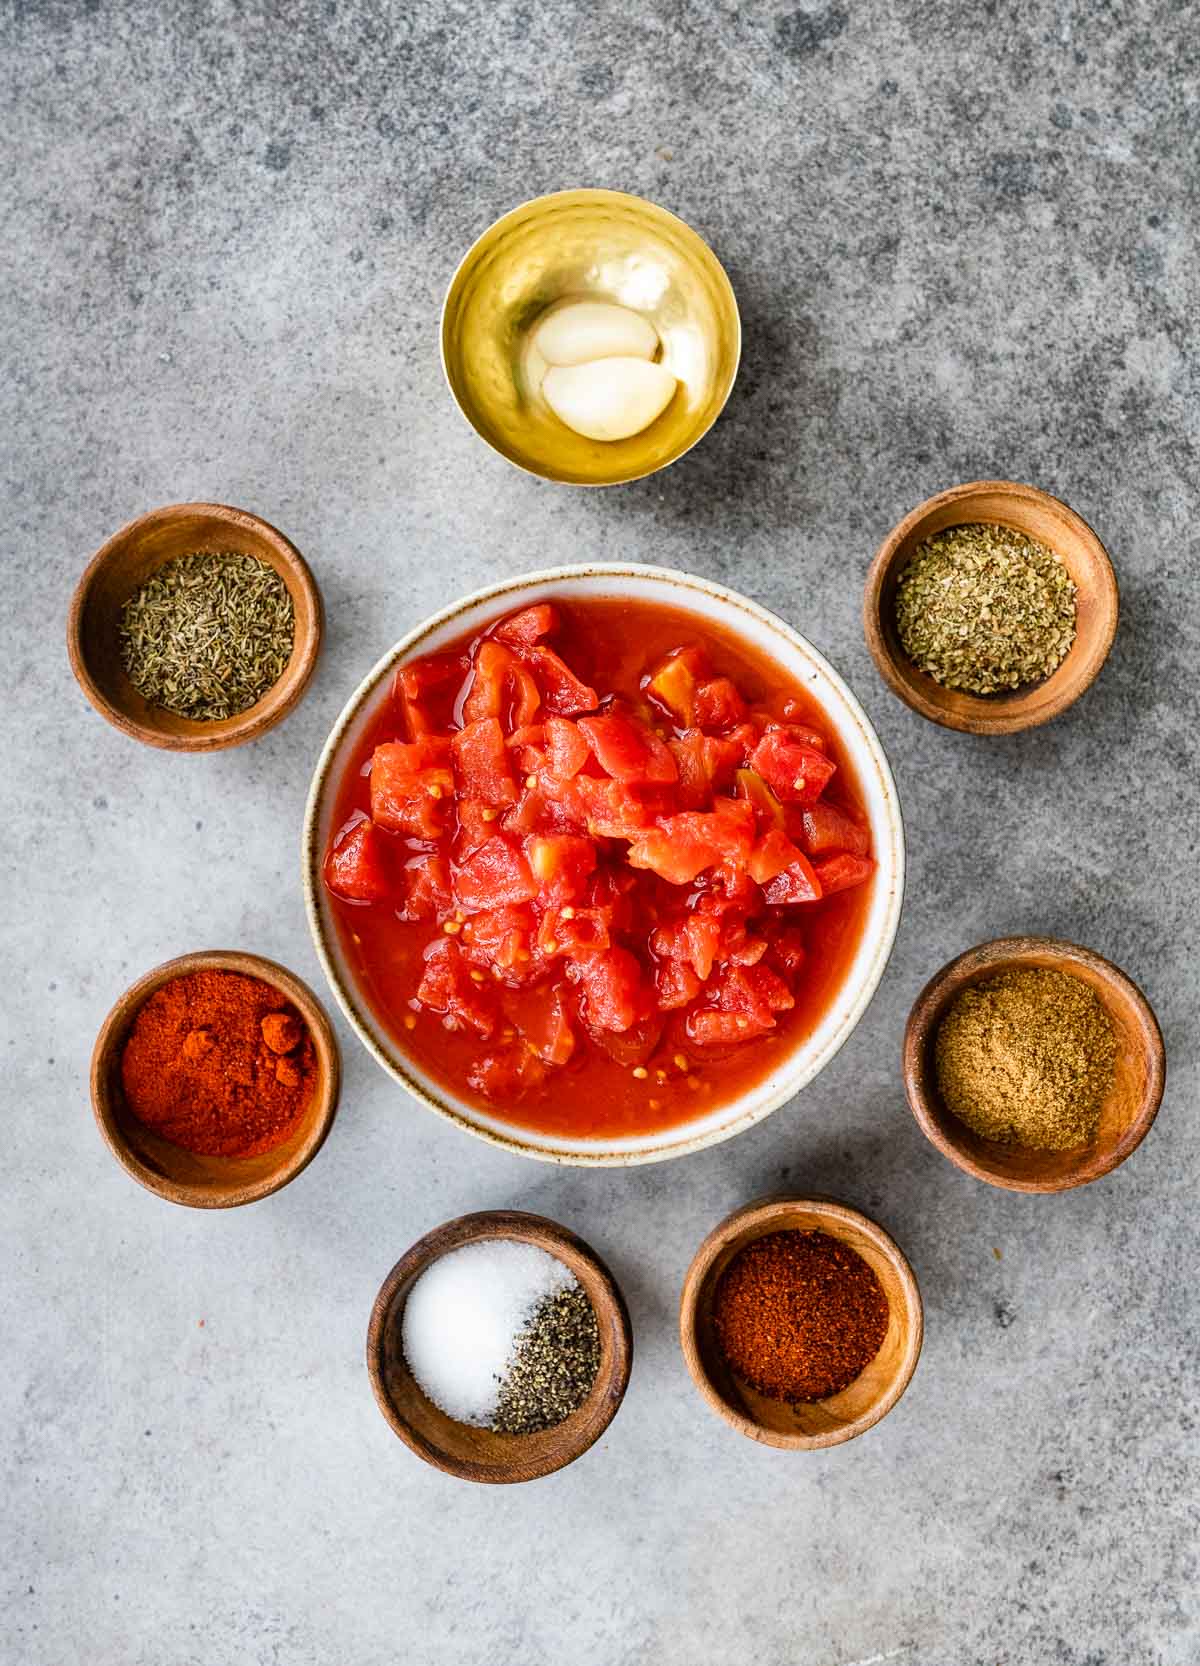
[(447, 987), (719, 705), (786, 948), (411, 787), (435, 671), (684, 845), (529, 735), (358, 866), (542, 1018), (615, 994), (750, 785), (495, 874), (560, 864), (426, 889), (524, 629), (673, 685), (501, 687), (632, 1046), (705, 763), (481, 763), (827, 828), (507, 1075), (839, 873), (796, 772), (750, 996), (797, 883), (577, 933), (771, 855), (718, 1029), (611, 809), (675, 984), (628, 751), (561, 688), (566, 749), (476, 825), (501, 941)]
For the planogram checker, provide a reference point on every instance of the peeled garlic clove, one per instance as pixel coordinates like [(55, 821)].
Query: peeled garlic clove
[(609, 399), (586, 330)]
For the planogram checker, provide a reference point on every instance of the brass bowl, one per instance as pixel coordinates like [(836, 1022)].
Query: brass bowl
[(598, 245)]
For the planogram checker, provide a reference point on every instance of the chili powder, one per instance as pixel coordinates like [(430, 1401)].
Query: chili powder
[(798, 1315), (219, 1064)]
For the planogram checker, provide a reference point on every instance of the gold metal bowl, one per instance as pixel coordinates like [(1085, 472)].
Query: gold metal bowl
[(599, 245)]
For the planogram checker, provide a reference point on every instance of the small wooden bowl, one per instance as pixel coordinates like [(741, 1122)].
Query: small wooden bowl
[(1126, 1113), (1039, 516), (808, 1427), (124, 563), (186, 1177), (460, 1449)]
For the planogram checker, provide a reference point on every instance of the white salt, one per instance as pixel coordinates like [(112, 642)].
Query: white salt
[(463, 1316)]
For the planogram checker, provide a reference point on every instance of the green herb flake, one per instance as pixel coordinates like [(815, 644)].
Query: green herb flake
[(207, 634), (983, 608)]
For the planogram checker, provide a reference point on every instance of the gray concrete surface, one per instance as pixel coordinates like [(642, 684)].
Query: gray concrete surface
[(964, 240)]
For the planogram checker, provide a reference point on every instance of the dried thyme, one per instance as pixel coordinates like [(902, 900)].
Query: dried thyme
[(1026, 1058), (553, 1367), (207, 634), (983, 608)]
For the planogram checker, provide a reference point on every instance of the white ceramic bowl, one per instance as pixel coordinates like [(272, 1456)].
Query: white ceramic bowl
[(797, 656)]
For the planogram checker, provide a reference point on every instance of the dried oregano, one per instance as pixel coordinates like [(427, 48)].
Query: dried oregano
[(207, 634), (983, 608)]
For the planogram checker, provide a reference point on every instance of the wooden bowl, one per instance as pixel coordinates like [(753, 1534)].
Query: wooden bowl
[(124, 563), (808, 1427), (1039, 516), (186, 1177), (1126, 1113), (460, 1449)]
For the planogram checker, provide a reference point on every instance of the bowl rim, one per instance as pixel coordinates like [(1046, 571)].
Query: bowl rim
[(760, 1211), (932, 1002), (521, 1226), (1002, 719), (544, 200), (525, 1143), (116, 1025), (273, 706)]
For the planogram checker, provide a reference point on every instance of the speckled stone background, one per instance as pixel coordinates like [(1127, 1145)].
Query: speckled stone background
[(963, 236)]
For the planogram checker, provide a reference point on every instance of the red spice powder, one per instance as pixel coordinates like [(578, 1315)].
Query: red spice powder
[(798, 1315), (219, 1064)]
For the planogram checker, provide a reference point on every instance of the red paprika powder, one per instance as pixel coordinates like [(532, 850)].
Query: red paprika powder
[(798, 1315), (219, 1064)]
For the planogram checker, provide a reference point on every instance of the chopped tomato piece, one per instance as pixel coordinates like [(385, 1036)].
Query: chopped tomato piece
[(447, 987), (628, 751), (719, 705), (561, 688), (675, 984), (426, 889), (684, 845), (614, 992), (750, 785), (507, 1075), (634, 1045), (560, 863), (611, 809), (827, 828), (541, 1017), (839, 873), (748, 997), (797, 883), (411, 787), (577, 933), (501, 941), (673, 686), (495, 874), (786, 948), (501, 687), (796, 772), (566, 749), (357, 867), (523, 629), (771, 855), (719, 1029), (481, 763), (423, 681)]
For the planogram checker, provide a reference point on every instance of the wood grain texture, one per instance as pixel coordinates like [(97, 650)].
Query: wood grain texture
[(460, 1449), (188, 1177), (873, 1392), (124, 563), (1127, 1112), (1039, 516)]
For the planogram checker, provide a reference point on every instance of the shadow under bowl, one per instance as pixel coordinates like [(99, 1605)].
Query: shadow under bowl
[(1126, 1113)]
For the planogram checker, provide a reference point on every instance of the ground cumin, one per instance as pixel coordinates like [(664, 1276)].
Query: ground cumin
[(220, 1064), (1026, 1058), (798, 1315)]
